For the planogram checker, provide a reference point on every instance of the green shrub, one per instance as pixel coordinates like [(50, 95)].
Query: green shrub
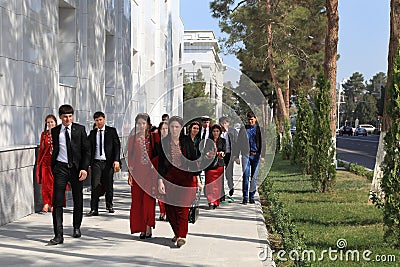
[(323, 169)]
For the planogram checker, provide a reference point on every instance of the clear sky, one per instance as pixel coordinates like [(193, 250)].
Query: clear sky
[(363, 34)]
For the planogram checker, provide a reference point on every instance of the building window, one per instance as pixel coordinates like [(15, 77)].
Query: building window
[(67, 44)]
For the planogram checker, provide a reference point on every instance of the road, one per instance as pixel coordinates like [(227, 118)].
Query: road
[(358, 149)]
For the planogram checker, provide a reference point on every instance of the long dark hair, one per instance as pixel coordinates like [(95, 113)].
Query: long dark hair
[(215, 126), (160, 127), (45, 121), (146, 118)]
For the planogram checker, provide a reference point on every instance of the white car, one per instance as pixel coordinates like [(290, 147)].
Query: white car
[(370, 129)]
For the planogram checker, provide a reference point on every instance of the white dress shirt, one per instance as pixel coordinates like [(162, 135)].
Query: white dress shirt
[(62, 154), (226, 137), (97, 155), (207, 132)]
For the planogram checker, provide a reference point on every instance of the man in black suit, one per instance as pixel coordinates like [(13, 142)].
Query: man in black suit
[(204, 132), (105, 148), (69, 163)]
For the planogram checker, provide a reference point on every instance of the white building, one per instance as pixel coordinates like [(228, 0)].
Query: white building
[(201, 53), (94, 55)]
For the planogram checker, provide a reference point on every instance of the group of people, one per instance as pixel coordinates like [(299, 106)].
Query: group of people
[(163, 163)]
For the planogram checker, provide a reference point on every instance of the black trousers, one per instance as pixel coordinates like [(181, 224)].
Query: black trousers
[(62, 175), (102, 173)]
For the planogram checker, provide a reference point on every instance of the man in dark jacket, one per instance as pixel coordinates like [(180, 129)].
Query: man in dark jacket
[(69, 163), (105, 147), (251, 145)]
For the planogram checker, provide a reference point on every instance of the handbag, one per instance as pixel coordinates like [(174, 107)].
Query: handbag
[(194, 209)]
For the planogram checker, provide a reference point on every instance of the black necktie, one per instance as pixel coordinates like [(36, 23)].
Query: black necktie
[(69, 147), (204, 134), (101, 143)]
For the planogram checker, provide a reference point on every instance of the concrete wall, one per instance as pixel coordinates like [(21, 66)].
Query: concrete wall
[(16, 183)]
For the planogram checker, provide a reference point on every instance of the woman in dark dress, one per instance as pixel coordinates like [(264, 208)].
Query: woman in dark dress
[(177, 166), (163, 132), (215, 171)]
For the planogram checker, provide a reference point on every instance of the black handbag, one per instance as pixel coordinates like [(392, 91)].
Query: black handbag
[(194, 209)]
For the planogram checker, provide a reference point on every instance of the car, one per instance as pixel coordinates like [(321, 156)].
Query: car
[(346, 130), (360, 131), (370, 129)]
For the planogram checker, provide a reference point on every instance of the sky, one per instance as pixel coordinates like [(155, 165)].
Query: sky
[(363, 34)]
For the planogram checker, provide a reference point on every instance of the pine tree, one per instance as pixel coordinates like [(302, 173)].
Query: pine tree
[(323, 171), (391, 165), (302, 146)]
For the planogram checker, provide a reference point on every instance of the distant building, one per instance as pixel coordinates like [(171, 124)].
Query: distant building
[(201, 53)]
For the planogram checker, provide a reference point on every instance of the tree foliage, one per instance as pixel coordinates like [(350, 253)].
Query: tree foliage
[(390, 183), (353, 89), (302, 145), (194, 96), (323, 170)]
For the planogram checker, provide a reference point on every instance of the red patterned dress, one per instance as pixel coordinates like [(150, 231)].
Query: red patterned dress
[(140, 156), (44, 175)]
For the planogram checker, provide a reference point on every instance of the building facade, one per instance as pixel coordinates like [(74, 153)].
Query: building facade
[(201, 54), (95, 55)]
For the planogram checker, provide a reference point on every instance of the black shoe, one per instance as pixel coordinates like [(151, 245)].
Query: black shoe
[(77, 233), (244, 202), (251, 201), (93, 213), (222, 199), (148, 235), (56, 240), (111, 210), (161, 218), (231, 191), (142, 236), (214, 206)]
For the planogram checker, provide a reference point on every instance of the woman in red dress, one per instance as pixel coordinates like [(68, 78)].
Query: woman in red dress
[(142, 177), (215, 172), (177, 165), (163, 132), (44, 174)]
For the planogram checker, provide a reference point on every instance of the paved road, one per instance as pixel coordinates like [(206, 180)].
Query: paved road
[(358, 149)]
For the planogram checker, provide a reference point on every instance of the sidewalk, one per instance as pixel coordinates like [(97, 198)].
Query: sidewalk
[(231, 235)]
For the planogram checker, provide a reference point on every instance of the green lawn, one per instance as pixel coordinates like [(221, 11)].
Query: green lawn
[(324, 218)]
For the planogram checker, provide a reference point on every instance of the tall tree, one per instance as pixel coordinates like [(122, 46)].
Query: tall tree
[(272, 39), (323, 171), (376, 87), (353, 89), (330, 66), (393, 46)]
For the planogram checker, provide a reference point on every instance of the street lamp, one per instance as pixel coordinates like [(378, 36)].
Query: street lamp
[(340, 101), (193, 63)]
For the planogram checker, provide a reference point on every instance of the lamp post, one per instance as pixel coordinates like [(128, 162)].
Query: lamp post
[(340, 101)]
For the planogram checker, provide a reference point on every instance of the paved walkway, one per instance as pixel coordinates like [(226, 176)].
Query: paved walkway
[(231, 235)]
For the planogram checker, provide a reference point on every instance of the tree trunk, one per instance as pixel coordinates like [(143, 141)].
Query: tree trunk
[(386, 123), (287, 94), (331, 42), (270, 55)]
